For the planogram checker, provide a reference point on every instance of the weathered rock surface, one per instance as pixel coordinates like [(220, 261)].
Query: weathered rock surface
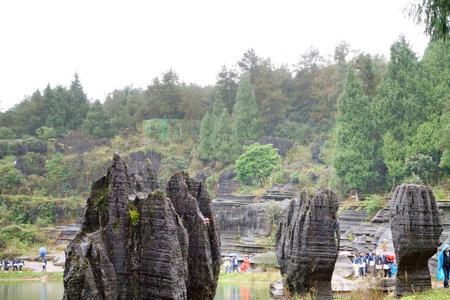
[(416, 229), (308, 244), (193, 205), (133, 243)]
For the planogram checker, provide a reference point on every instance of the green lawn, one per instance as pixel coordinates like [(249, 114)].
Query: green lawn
[(30, 275)]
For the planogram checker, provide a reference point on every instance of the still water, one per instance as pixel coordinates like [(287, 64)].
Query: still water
[(53, 290)]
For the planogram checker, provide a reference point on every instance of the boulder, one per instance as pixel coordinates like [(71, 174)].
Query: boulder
[(307, 244), (416, 228), (134, 245)]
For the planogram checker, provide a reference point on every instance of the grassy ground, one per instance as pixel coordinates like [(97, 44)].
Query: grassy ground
[(30, 275), (250, 277)]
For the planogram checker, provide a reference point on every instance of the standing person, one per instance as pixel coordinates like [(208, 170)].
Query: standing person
[(21, 264), (235, 264), (386, 266), (15, 265), (444, 265), (44, 265), (245, 266), (378, 265)]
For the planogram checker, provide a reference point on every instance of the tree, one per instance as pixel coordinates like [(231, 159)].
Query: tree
[(435, 14), (245, 114), (354, 136), (226, 85), (257, 164), (225, 146), (77, 105), (96, 123), (10, 177), (45, 133), (56, 174), (6, 133), (206, 132)]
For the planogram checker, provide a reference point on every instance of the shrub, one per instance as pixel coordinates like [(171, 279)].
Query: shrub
[(373, 204), (257, 164)]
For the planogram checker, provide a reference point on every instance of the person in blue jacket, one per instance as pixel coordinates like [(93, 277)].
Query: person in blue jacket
[(444, 265)]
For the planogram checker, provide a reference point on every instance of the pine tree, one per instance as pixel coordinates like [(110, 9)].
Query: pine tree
[(206, 132), (224, 140), (354, 136), (97, 124), (77, 106), (246, 116)]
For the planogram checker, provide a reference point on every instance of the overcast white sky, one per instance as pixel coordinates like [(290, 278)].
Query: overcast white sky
[(112, 44)]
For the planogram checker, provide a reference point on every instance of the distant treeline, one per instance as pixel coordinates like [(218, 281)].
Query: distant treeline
[(376, 121)]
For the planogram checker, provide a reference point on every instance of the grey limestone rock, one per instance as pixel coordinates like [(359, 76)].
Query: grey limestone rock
[(308, 242), (416, 228), (134, 244)]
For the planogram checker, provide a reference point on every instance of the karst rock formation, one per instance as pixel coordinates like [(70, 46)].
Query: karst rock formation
[(416, 228), (136, 243), (308, 242)]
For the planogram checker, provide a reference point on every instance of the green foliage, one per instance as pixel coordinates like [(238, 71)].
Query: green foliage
[(246, 116), (435, 15), (421, 165), (157, 129), (211, 183), (372, 204), (134, 215), (23, 209), (6, 133), (10, 177), (56, 173), (354, 130), (225, 146), (45, 133), (257, 164), (97, 123), (206, 136), (20, 238)]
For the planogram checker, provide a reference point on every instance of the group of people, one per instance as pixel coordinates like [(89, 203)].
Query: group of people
[(231, 264), (369, 264), (13, 265)]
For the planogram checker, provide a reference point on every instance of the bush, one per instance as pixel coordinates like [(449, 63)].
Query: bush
[(373, 204), (6, 133), (257, 164)]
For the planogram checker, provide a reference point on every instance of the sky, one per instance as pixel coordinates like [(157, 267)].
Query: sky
[(112, 44)]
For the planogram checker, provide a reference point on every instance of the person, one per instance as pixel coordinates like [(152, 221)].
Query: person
[(1, 265), (227, 265), (370, 263), (378, 265), (44, 265), (444, 265), (15, 264), (235, 264), (359, 262), (245, 265), (21, 265)]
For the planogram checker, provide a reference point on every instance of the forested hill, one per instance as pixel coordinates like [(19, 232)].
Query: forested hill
[(360, 121)]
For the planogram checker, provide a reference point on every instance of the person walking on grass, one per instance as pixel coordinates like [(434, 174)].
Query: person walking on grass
[(444, 266)]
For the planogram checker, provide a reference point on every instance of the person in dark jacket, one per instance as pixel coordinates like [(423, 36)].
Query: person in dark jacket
[(446, 266)]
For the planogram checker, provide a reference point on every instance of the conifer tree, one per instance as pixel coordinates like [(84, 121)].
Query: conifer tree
[(224, 142), (246, 116), (97, 123), (206, 135), (354, 141)]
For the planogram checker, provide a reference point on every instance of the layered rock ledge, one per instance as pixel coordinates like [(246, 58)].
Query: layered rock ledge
[(416, 228), (135, 243), (307, 244)]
